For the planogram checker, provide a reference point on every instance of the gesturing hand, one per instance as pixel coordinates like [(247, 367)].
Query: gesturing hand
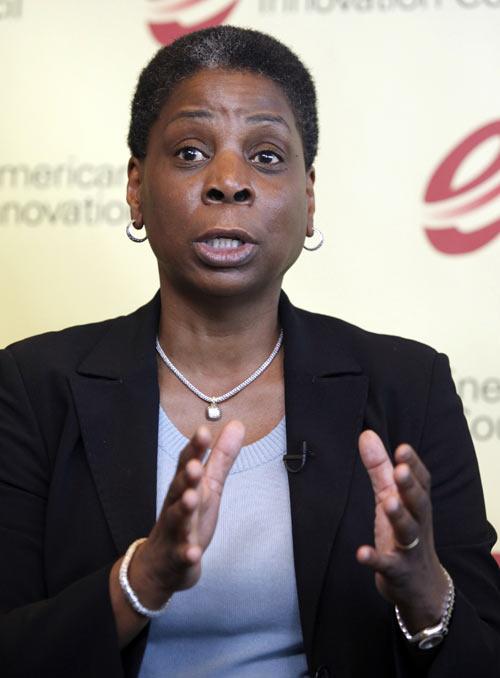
[(410, 578), (170, 559)]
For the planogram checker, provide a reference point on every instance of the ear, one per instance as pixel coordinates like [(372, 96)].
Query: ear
[(134, 184), (311, 200)]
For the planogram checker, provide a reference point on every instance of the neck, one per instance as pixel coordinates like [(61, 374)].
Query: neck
[(228, 334)]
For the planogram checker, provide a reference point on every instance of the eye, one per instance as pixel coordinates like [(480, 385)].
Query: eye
[(190, 154), (267, 157)]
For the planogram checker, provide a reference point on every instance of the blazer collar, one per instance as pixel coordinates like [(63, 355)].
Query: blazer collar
[(127, 348), (312, 346)]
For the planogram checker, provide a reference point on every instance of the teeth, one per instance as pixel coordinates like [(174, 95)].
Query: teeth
[(223, 243)]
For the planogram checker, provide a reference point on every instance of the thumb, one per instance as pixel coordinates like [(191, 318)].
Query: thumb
[(224, 452)]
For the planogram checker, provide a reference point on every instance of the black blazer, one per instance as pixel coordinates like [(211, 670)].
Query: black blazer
[(78, 445)]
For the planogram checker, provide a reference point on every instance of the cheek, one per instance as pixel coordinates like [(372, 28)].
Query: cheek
[(168, 206), (287, 226), (285, 202), (292, 213)]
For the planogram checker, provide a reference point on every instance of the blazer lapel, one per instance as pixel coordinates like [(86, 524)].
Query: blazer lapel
[(325, 396), (116, 396)]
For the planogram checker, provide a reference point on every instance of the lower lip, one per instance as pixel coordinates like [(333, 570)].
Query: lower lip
[(225, 257)]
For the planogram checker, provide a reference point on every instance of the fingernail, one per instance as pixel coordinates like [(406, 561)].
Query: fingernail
[(193, 468), (404, 472), (203, 435), (392, 504), (405, 453), (364, 555)]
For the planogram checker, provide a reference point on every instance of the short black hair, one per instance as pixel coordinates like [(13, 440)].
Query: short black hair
[(231, 48)]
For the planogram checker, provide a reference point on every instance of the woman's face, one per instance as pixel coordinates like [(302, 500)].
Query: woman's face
[(223, 189)]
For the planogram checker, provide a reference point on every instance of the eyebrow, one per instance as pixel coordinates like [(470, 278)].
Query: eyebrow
[(199, 113), (207, 115), (268, 117)]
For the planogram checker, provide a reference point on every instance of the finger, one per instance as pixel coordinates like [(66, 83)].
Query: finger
[(415, 498), (190, 476), (223, 454), (185, 555), (178, 516), (385, 563), (377, 462), (192, 553), (404, 526), (196, 447), (406, 454)]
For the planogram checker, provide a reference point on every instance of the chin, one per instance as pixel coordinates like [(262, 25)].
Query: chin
[(231, 284)]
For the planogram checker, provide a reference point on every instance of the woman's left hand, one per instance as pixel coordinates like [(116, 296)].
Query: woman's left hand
[(407, 570)]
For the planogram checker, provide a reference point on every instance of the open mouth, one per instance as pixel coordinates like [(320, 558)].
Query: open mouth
[(225, 249)]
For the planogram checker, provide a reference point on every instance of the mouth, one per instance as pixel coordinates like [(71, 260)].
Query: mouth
[(225, 248)]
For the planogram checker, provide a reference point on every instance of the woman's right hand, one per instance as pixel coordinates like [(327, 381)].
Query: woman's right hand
[(170, 559)]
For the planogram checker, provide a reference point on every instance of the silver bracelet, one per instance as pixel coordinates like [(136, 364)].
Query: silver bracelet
[(432, 635), (129, 592)]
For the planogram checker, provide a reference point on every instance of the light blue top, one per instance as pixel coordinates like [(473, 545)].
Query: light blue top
[(241, 620)]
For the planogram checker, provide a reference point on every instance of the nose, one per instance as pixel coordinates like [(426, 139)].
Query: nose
[(227, 180)]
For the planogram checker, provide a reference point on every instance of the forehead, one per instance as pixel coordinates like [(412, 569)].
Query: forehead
[(226, 92)]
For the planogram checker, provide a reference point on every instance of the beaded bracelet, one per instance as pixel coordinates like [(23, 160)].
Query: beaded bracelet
[(129, 592)]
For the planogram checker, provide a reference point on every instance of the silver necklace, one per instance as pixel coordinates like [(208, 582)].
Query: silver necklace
[(213, 412)]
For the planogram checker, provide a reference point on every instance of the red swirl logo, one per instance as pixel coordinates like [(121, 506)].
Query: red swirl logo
[(467, 201), (165, 17)]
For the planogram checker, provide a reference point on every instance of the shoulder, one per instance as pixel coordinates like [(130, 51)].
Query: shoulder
[(371, 350), (66, 349), (409, 384), (400, 372), (400, 375)]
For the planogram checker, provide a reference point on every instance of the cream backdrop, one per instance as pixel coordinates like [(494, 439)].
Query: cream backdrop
[(402, 83)]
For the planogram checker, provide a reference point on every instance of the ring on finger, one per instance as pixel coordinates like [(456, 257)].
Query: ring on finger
[(410, 546)]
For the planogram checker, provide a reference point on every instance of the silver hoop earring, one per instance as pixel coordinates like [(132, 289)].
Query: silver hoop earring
[(130, 225), (318, 244)]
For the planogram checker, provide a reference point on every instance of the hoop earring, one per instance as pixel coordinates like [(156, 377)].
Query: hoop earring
[(131, 224), (319, 244)]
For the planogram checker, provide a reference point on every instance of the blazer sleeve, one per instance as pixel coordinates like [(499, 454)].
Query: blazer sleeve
[(69, 634), (463, 539)]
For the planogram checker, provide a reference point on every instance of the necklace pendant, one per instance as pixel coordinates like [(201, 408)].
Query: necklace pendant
[(213, 412)]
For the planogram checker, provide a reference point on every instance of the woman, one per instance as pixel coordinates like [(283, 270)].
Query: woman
[(92, 422)]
